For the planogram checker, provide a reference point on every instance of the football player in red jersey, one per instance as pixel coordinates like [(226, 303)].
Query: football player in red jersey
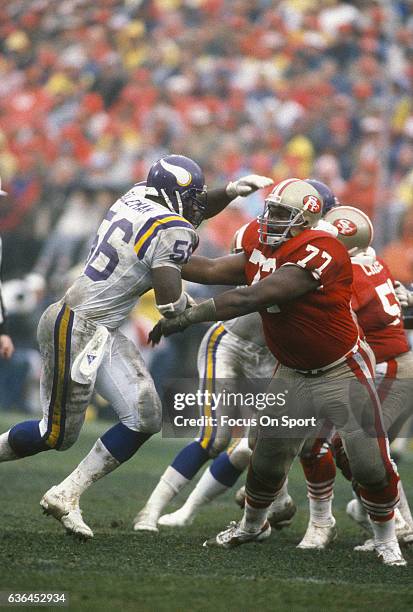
[(300, 282), (379, 315)]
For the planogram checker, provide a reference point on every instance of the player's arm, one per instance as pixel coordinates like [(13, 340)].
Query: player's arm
[(218, 199), (167, 285), (286, 284), (228, 270), (170, 252)]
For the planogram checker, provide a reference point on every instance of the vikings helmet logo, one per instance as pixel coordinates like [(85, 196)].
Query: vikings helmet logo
[(183, 177)]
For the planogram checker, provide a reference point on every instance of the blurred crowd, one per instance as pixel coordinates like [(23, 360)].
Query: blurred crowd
[(92, 93)]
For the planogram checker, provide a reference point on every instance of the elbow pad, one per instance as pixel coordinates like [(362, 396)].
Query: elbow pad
[(175, 308)]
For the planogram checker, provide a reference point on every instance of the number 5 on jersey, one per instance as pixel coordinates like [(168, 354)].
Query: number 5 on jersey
[(388, 299)]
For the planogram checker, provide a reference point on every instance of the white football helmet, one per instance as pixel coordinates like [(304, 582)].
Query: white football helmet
[(292, 206), (355, 229)]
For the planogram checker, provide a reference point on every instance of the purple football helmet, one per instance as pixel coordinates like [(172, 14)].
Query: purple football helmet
[(329, 199), (180, 182)]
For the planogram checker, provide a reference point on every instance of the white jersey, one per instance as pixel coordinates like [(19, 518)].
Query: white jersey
[(136, 236)]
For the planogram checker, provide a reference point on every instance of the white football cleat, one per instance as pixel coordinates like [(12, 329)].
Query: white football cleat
[(368, 546), (356, 512), (404, 531), (389, 553), (318, 537), (145, 521), (235, 536), (282, 517), (180, 518), (66, 510)]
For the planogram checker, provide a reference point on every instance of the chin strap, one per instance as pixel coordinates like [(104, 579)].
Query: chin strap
[(167, 200)]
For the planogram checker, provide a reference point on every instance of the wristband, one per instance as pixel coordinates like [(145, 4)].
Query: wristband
[(205, 311)]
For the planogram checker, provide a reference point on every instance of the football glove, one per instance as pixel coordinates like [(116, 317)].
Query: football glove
[(205, 311), (246, 185), (167, 327), (404, 296)]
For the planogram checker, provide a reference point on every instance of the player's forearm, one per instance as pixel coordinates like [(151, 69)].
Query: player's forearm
[(238, 302), (278, 288), (228, 305), (199, 270), (218, 199), (206, 271)]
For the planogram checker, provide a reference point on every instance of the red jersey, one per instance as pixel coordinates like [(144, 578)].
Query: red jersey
[(377, 308), (318, 328)]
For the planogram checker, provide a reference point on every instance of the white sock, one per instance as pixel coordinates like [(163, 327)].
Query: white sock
[(403, 506), (254, 518), (281, 498), (321, 511), (168, 487), (6, 451), (94, 466), (207, 489), (360, 510), (384, 532)]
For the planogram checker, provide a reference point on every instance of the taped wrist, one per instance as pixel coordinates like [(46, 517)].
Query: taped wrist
[(174, 308), (205, 311)]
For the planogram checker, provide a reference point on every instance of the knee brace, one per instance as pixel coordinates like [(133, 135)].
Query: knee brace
[(25, 439)]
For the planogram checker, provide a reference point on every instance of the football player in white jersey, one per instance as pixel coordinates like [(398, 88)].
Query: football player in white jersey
[(144, 240)]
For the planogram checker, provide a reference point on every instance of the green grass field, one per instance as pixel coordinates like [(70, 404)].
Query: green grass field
[(121, 570)]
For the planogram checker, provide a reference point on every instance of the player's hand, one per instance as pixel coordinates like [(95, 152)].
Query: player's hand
[(6, 346), (155, 334), (167, 327), (404, 296), (247, 184)]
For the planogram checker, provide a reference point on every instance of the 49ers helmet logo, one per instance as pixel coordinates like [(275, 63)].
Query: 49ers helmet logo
[(312, 204), (345, 227)]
